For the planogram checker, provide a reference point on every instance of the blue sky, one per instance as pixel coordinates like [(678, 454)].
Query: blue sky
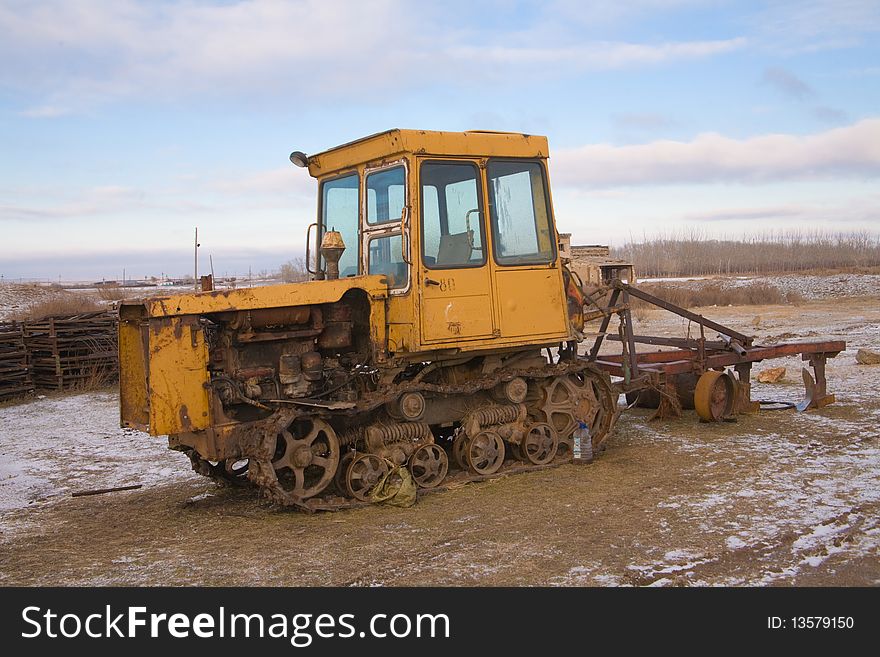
[(125, 124)]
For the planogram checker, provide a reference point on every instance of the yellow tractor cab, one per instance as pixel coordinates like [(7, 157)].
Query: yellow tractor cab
[(460, 225)]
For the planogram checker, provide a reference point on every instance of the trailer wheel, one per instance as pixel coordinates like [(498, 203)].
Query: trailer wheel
[(714, 396)]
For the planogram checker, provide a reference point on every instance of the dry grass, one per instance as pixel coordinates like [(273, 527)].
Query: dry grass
[(714, 294), (111, 293), (641, 311), (65, 303), (96, 378)]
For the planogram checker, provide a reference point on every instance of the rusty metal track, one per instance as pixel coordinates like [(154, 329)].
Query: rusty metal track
[(333, 502)]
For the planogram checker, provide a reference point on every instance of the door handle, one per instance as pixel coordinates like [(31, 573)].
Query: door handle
[(404, 235), (431, 281)]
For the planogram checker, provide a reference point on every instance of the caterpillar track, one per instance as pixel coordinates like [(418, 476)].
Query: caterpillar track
[(319, 461)]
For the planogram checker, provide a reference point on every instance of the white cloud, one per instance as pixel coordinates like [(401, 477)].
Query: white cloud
[(285, 180), (851, 214), (45, 112), (47, 205), (599, 55), (75, 55), (286, 188), (811, 25), (851, 151)]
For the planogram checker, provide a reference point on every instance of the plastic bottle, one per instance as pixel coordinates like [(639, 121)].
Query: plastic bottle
[(582, 448)]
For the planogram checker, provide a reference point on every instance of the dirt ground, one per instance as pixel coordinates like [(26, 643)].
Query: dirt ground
[(777, 498)]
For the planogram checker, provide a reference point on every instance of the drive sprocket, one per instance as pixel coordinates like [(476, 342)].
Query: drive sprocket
[(564, 401)]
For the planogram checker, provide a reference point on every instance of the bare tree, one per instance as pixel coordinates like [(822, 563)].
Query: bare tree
[(294, 271)]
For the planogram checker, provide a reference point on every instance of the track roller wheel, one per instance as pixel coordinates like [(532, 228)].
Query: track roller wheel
[(540, 444), (485, 452), (562, 401), (714, 396), (428, 465), (363, 473)]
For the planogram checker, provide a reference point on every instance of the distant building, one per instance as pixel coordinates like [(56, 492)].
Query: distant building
[(593, 262)]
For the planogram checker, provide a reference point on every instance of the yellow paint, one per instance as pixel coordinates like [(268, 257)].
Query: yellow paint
[(272, 296), (134, 403), (401, 334), (532, 302), (459, 308), (393, 143), (177, 377)]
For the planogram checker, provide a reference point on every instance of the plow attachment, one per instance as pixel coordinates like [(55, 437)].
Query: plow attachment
[(692, 372)]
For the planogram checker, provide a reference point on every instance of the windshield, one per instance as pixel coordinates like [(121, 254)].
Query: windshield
[(339, 211)]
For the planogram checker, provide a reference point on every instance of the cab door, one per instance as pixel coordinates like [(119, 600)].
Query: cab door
[(454, 279), (528, 279)]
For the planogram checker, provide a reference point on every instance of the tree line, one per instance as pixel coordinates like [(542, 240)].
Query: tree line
[(692, 253)]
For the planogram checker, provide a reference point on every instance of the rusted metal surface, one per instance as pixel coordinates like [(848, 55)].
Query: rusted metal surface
[(293, 473), (657, 371), (683, 360), (332, 247), (678, 310)]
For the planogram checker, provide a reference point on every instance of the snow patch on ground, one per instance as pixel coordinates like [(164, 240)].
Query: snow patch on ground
[(810, 286), (734, 543), (54, 446), (590, 575), (792, 483)]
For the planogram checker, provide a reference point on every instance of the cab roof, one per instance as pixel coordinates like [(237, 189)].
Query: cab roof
[(396, 142)]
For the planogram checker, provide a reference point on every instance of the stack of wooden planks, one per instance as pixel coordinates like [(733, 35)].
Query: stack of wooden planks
[(72, 350), (14, 374)]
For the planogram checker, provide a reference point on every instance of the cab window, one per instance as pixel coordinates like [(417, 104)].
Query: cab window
[(339, 211), (386, 195), (385, 256), (520, 213), (451, 212)]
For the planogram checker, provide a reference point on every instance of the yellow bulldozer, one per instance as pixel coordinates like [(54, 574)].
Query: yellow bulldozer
[(422, 339), (437, 336)]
